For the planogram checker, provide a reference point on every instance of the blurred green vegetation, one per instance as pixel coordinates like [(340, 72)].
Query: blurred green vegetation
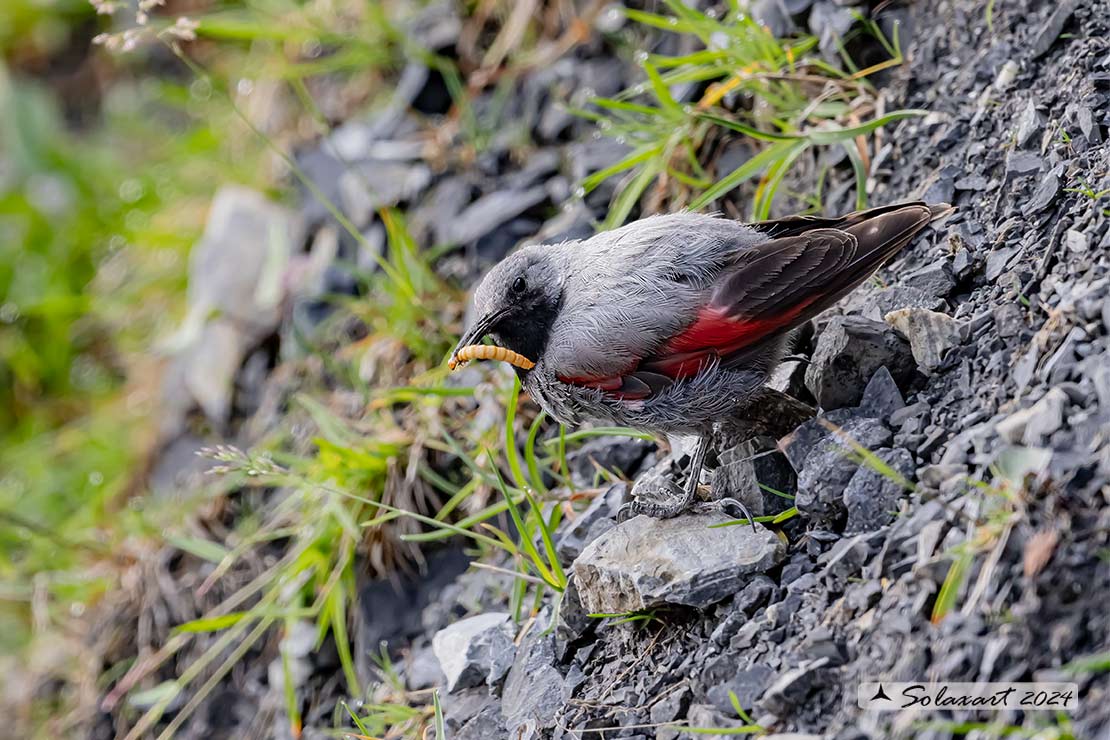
[(96, 219)]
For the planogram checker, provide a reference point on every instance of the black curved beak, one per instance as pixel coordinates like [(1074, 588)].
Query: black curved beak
[(479, 329)]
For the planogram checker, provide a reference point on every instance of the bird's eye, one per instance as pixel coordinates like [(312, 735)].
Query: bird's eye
[(519, 285)]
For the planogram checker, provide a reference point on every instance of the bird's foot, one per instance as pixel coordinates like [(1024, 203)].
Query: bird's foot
[(655, 495)]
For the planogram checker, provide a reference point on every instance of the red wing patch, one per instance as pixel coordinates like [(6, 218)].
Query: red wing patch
[(713, 334), (715, 330)]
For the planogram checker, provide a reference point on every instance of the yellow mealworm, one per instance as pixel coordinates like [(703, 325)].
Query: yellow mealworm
[(489, 352)]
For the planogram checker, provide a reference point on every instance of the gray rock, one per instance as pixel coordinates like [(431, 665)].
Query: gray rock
[(935, 279), (1101, 380), (421, 669), (1020, 164), (490, 211), (878, 303), (871, 498), (737, 479), (368, 186), (1012, 427), (468, 712), (669, 707), (1076, 241), (706, 716), (619, 455), (1045, 417), (236, 289), (584, 528), (828, 470), (848, 352), (1050, 31), (475, 650), (748, 685), (647, 562), (931, 334), (534, 690), (881, 397), (1030, 123), (829, 22), (235, 269), (793, 687), (972, 182), (210, 366), (997, 261), (1045, 194)]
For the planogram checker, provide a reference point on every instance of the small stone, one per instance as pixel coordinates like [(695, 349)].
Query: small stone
[(1101, 380), (1007, 73), (475, 650), (849, 351), (753, 595), (1045, 417), (209, 368), (369, 186), (492, 210), (997, 261), (871, 497), (935, 279), (972, 182), (1009, 319), (914, 411), (1020, 164), (737, 479), (1045, 194), (647, 562), (793, 687), (422, 671), (1088, 124), (1076, 241), (669, 708), (878, 303), (1030, 123), (931, 334), (881, 397), (748, 686)]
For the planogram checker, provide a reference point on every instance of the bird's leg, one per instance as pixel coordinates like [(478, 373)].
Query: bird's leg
[(724, 504), (672, 502)]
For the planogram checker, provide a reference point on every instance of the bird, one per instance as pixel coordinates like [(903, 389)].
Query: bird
[(672, 324)]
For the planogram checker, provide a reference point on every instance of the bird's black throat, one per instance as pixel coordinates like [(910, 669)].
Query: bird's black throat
[(526, 331)]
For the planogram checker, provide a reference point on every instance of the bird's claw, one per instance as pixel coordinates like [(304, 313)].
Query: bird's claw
[(728, 506)]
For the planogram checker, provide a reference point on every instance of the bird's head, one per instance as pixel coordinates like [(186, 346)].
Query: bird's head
[(515, 305)]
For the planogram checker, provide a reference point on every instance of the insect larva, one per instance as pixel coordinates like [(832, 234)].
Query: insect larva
[(489, 352)]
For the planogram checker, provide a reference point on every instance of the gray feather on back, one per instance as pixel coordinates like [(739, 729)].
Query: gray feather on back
[(629, 289)]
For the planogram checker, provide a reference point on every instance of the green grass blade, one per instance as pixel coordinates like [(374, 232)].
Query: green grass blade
[(511, 452), (746, 129), (530, 453), (834, 136), (953, 582), (638, 156), (743, 173)]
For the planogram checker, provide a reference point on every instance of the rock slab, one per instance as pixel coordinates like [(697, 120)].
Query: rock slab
[(475, 650), (646, 562)]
